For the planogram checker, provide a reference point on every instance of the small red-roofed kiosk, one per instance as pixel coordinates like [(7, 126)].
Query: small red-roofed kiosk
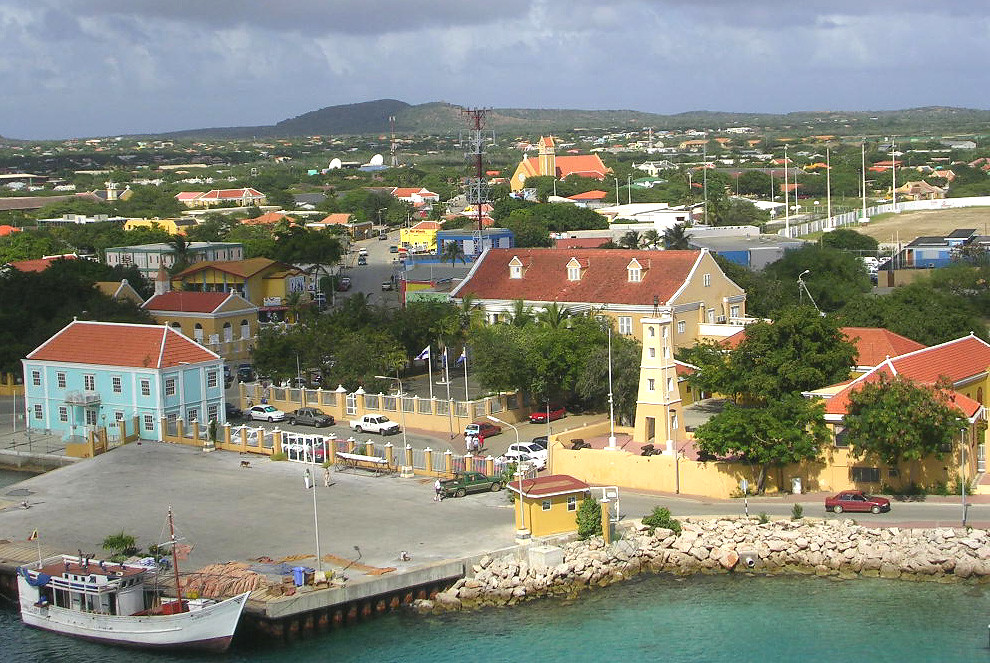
[(549, 504)]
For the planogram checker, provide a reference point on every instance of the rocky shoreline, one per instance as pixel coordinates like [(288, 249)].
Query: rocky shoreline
[(837, 548)]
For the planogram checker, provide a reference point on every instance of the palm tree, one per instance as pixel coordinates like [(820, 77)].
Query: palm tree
[(651, 239), (180, 252), (554, 316), (453, 252), (676, 238), (521, 314), (630, 240)]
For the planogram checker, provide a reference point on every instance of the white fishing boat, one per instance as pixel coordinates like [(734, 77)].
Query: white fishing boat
[(122, 604)]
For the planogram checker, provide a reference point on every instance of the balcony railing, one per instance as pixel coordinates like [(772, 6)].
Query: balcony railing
[(77, 397)]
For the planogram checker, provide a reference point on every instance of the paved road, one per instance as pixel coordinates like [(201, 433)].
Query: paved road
[(230, 512), (368, 278)]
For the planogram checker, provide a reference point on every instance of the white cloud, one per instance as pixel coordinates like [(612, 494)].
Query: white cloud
[(74, 67)]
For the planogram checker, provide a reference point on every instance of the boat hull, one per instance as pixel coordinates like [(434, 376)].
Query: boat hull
[(210, 627)]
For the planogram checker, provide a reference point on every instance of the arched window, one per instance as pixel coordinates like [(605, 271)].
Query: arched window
[(228, 332), (245, 329), (198, 333)]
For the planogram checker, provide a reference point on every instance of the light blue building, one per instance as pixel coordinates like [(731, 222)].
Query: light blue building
[(125, 377)]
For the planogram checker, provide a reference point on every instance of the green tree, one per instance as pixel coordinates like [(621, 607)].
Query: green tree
[(896, 420), (528, 230), (833, 277), (799, 351), (630, 240), (790, 429), (453, 252), (589, 518), (850, 240)]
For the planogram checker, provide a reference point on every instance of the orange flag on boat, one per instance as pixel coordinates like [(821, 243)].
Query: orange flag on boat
[(34, 535)]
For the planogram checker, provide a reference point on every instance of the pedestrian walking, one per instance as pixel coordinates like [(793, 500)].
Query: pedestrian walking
[(438, 489), (326, 476)]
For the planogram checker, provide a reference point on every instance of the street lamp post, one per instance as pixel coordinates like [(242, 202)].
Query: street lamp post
[(311, 485), (962, 473), (398, 397), (522, 532)]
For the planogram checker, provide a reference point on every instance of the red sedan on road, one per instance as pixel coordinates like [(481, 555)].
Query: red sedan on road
[(540, 416), (856, 500)]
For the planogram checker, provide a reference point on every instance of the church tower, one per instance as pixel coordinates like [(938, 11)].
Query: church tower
[(548, 157)]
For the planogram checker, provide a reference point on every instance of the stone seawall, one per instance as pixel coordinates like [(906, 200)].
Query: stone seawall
[(826, 548)]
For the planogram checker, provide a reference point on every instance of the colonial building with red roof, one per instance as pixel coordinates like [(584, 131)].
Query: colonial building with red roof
[(241, 197), (625, 285), (547, 163), (126, 378), (959, 370), (224, 322)]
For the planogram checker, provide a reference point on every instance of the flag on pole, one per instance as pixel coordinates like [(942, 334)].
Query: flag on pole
[(425, 354), (462, 358), (34, 536), (444, 364)]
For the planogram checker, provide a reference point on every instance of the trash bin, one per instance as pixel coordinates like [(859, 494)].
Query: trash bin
[(299, 574), (796, 485)]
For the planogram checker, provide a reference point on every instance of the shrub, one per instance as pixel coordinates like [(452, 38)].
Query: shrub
[(764, 518), (121, 546), (661, 518), (279, 456), (589, 518), (797, 512)]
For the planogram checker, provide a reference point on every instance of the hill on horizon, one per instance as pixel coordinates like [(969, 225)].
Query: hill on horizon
[(372, 117)]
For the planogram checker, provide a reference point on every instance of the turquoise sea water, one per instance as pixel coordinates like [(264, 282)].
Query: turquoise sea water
[(652, 618)]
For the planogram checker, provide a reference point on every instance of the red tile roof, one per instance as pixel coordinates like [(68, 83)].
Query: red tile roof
[(187, 302), (554, 484), (957, 360), (589, 195), (231, 194), (580, 242), (875, 344), (604, 278), (39, 265), (585, 165), (119, 344)]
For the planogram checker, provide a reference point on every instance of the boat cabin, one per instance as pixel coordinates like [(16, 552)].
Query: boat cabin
[(86, 585)]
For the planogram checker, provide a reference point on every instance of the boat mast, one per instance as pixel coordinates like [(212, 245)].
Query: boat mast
[(175, 557)]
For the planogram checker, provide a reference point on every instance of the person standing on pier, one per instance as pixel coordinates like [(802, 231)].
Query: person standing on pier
[(438, 489)]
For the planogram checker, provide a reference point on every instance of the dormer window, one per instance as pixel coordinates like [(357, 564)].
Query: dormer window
[(573, 270), (515, 268), (634, 271)]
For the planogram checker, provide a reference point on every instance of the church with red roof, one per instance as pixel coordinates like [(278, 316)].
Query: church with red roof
[(548, 163)]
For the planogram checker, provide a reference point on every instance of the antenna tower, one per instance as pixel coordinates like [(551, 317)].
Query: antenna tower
[(391, 126), (477, 193)]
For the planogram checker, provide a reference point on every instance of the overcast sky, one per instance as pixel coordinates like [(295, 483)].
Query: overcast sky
[(106, 67)]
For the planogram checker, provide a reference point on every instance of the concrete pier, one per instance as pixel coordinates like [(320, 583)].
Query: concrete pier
[(264, 511)]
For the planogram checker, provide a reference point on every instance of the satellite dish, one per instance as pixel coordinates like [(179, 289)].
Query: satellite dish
[(335, 164), (377, 160)]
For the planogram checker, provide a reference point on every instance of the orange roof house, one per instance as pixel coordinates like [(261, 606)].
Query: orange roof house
[(128, 377), (241, 197), (547, 163), (268, 218), (39, 264), (621, 284)]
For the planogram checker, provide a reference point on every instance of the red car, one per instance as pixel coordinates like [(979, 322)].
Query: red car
[(540, 416), (856, 500)]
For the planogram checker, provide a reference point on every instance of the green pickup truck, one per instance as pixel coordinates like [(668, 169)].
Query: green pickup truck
[(469, 482)]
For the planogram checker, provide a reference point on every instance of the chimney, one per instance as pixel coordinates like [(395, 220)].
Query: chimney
[(162, 282)]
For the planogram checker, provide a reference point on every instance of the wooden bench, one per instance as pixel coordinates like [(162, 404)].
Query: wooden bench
[(376, 464)]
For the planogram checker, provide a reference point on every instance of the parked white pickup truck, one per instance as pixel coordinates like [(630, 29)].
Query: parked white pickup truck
[(374, 423)]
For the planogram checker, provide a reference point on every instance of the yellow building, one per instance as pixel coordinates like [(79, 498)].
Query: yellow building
[(659, 416), (223, 322), (421, 237), (171, 226), (268, 284), (625, 285), (549, 504), (121, 291), (548, 163)]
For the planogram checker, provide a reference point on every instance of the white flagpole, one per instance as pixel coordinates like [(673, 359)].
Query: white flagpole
[(429, 366), (450, 403), (466, 396)]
